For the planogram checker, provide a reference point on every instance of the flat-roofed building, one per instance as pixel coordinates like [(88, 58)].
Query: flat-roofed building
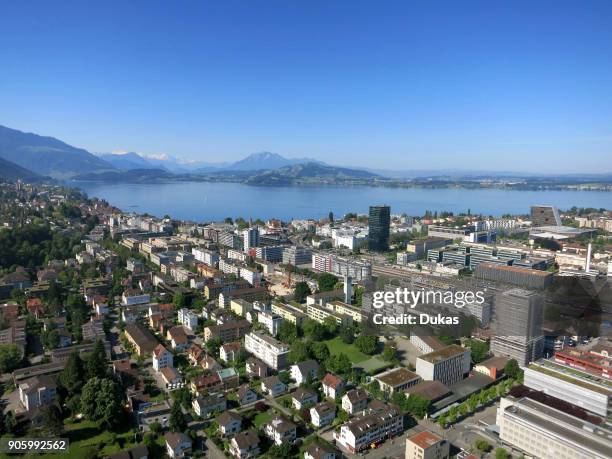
[(522, 277), (539, 430), (319, 314), (577, 387), (289, 313), (272, 352), (448, 365), (397, 380), (342, 308)]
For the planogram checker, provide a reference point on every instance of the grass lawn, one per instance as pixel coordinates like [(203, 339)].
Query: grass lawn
[(85, 437), (262, 418), (337, 346), (374, 364)]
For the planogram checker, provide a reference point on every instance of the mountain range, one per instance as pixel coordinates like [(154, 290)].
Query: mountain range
[(28, 155)]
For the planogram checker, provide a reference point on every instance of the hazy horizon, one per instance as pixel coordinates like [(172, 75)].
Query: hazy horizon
[(518, 87)]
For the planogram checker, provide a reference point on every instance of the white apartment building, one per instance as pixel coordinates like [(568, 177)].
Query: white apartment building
[(188, 318), (162, 358), (448, 365), (272, 352), (271, 321), (252, 276), (208, 257)]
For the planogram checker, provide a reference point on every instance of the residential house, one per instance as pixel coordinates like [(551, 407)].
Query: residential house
[(230, 423), (178, 338), (245, 445), (230, 351), (333, 386), (303, 397), (172, 378), (229, 378), (246, 395), (280, 430), (273, 386), (355, 400), (320, 450), (256, 368), (177, 444), (322, 414), (37, 391), (306, 371), (205, 406)]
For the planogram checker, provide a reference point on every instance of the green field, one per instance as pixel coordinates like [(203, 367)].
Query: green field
[(262, 418), (337, 346), (374, 365), (87, 440)]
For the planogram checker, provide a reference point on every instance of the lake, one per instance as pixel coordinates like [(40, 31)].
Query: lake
[(208, 201)]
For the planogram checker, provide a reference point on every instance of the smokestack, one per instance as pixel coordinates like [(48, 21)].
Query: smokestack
[(588, 259), (348, 289)]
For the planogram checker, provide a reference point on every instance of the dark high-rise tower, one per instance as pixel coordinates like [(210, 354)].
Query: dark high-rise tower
[(379, 221)]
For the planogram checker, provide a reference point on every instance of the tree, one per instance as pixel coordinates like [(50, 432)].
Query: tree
[(301, 292), (213, 345), (339, 363), (501, 453), (281, 451), (313, 330), (299, 352), (101, 401), (287, 332), (52, 420), (319, 351), (512, 369), (482, 445), (96, 363), (347, 334), (177, 421), (179, 300), (10, 422), (327, 282), (367, 344), (479, 349), (72, 376), (331, 325), (389, 353), (10, 358)]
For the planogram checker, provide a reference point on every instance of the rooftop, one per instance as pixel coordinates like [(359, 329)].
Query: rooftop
[(425, 439), (444, 353)]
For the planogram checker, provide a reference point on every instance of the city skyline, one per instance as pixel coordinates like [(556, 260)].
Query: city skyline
[(502, 88)]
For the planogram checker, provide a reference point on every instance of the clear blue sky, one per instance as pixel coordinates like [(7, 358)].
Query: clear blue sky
[(506, 85)]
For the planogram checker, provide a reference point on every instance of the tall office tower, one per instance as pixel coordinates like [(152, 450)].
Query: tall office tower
[(545, 216), (517, 326), (379, 222), (251, 238)]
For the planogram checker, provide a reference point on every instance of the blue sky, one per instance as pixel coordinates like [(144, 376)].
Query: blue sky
[(520, 85)]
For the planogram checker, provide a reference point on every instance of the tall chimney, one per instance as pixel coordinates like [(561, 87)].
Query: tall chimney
[(588, 259)]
